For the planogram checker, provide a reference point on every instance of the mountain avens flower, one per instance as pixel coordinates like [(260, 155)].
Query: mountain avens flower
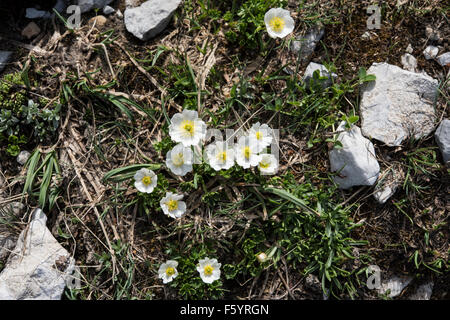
[(179, 159), (168, 271), (209, 270), (268, 164), (172, 205), (262, 134), (246, 152), (219, 156), (186, 127), (145, 180), (279, 22)]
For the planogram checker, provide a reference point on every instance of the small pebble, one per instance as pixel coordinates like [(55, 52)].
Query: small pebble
[(430, 52), (31, 30), (23, 157), (108, 10)]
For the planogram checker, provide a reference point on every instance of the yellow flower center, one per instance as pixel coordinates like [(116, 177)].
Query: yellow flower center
[(178, 159), (222, 156), (188, 127), (277, 24), (170, 271), (208, 270), (146, 180), (247, 152), (172, 205), (258, 135), (264, 164)]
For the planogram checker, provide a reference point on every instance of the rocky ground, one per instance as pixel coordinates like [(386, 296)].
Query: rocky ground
[(363, 184)]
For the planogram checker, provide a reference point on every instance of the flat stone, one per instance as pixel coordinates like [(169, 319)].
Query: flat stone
[(398, 104), (355, 162), (409, 62), (88, 5), (108, 10), (150, 18), (409, 49), (442, 137), (430, 52), (305, 46), (31, 30), (98, 20), (4, 59), (423, 292), (39, 267), (388, 184), (323, 73), (23, 157), (395, 285), (444, 59), (32, 13)]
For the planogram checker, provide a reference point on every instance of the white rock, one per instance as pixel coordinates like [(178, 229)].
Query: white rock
[(305, 46), (444, 59), (398, 104), (442, 137), (4, 59), (108, 10), (355, 162), (366, 35), (323, 72), (388, 184), (409, 49), (409, 62), (23, 157), (150, 18), (423, 292), (384, 194), (119, 14), (395, 285), (32, 13), (87, 5), (38, 268), (430, 52)]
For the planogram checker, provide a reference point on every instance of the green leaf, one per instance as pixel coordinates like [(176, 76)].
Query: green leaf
[(125, 173), (290, 197)]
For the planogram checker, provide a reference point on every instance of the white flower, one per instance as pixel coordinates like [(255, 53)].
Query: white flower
[(219, 156), (268, 164), (279, 22), (145, 180), (209, 270), (187, 128), (168, 271), (172, 206), (246, 152), (262, 135), (179, 160)]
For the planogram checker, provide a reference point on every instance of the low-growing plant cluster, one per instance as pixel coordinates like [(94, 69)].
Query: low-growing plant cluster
[(24, 119)]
